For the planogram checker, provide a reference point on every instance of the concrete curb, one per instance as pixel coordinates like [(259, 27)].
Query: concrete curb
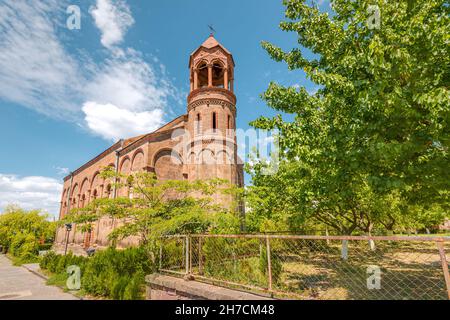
[(35, 271)]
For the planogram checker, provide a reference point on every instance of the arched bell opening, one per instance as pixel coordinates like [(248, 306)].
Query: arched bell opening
[(218, 75), (202, 74)]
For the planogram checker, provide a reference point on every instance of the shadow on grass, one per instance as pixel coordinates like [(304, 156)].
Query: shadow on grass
[(407, 272)]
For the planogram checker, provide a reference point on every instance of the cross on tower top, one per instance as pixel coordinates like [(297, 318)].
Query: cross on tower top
[(211, 29)]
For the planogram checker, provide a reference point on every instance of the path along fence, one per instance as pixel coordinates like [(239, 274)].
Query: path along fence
[(314, 267)]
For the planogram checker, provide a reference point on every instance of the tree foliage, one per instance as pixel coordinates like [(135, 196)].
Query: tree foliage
[(370, 147), (157, 208), (22, 232)]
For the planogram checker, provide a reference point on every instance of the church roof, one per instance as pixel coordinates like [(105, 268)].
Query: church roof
[(210, 43), (129, 141), (125, 143)]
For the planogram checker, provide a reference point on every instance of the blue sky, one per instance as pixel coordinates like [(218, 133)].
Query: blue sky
[(66, 95)]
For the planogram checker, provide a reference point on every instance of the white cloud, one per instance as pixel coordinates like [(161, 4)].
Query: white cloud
[(129, 82), (37, 71), (126, 97), (112, 123), (31, 192), (113, 18), (34, 66), (122, 96)]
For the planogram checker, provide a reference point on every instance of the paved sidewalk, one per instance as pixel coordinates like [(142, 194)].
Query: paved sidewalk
[(17, 283)]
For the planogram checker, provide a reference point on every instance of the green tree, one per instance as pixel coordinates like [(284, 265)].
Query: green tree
[(376, 133), (160, 208), (22, 232)]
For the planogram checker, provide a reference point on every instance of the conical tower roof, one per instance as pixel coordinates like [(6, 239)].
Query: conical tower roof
[(211, 43)]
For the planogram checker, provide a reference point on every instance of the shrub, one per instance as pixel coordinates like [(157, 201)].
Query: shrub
[(119, 287), (45, 246), (48, 260), (112, 272), (58, 263), (133, 291), (117, 274)]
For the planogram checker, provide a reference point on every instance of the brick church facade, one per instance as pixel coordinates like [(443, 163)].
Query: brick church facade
[(206, 148)]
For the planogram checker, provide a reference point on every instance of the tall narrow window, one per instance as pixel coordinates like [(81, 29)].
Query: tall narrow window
[(229, 122), (198, 128), (214, 121), (108, 191)]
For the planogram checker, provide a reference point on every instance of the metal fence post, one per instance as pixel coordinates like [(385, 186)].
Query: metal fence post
[(269, 262), (160, 254), (190, 255), (187, 255), (444, 263), (200, 256)]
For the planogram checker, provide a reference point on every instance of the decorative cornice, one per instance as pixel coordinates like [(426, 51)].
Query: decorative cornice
[(212, 101), (228, 95)]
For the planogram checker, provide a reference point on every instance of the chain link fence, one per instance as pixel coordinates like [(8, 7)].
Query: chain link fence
[(315, 267)]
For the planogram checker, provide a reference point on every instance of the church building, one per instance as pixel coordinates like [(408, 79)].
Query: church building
[(206, 149)]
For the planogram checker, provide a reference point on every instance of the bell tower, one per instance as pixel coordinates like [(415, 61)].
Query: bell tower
[(212, 114)]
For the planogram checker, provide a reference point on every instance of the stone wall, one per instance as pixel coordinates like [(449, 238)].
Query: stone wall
[(163, 287)]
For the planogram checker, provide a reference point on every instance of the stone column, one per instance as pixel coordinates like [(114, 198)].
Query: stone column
[(195, 79), (210, 82), (225, 79)]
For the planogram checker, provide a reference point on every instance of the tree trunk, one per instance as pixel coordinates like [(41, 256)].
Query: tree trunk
[(371, 242)]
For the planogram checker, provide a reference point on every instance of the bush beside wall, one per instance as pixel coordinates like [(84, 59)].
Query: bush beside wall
[(112, 273)]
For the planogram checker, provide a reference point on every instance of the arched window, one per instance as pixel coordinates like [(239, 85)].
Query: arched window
[(108, 191), (83, 201)]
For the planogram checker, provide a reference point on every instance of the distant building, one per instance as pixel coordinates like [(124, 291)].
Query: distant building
[(208, 150)]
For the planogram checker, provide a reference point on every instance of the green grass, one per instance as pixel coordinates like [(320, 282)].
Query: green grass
[(315, 270), (18, 261), (58, 279)]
